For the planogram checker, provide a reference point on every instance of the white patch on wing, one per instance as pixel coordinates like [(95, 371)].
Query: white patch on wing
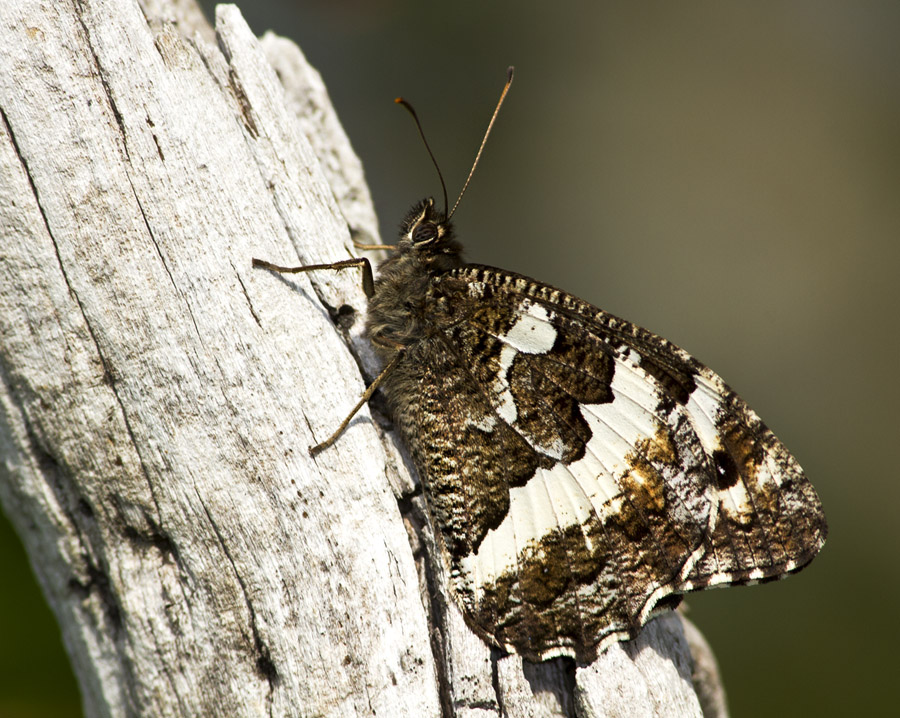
[(703, 407), (552, 500), (567, 497), (718, 578), (500, 553), (532, 333), (507, 406), (563, 496), (619, 425), (736, 502), (533, 500), (595, 481)]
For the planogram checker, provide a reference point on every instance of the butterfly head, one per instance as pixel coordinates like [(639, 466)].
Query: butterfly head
[(427, 231)]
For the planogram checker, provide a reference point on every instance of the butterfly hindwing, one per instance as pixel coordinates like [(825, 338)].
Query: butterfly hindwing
[(581, 469)]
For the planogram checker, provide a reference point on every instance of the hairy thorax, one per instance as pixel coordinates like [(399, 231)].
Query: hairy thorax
[(398, 312)]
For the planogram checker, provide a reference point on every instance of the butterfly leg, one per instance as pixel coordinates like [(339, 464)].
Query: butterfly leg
[(367, 394), (373, 247), (361, 262), (368, 287)]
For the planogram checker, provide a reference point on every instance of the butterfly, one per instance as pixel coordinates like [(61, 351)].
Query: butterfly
[(582, 473)]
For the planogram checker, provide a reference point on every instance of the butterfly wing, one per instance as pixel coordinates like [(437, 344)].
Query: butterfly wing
[(581, 470), (768, 520)]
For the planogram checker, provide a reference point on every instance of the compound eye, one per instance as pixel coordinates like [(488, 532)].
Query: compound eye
[(424, 232)]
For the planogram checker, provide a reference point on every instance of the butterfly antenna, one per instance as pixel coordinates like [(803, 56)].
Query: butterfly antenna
[(509, 79), (409, 108)]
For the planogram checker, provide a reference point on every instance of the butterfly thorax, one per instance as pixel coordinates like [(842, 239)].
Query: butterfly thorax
[(397, 309)]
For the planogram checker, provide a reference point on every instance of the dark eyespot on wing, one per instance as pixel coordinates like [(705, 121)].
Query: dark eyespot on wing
[(770, 520)]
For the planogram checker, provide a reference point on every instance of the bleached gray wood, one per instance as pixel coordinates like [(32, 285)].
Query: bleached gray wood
[(649, 676), (705, 677), (157, 394), (307, 99)]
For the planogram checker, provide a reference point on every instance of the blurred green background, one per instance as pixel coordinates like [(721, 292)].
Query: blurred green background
[(726, 174)]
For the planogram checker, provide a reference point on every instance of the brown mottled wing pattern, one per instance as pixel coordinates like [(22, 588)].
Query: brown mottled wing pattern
[(769, 520), (581, 470)]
